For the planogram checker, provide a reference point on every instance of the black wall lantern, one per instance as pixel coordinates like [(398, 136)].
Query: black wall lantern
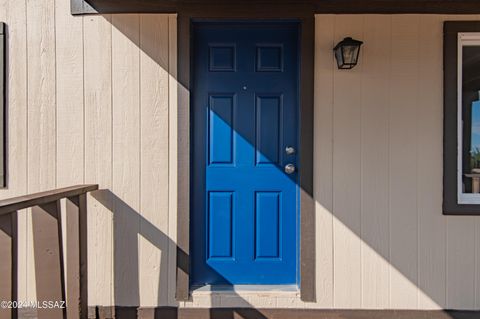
[(347, 52)]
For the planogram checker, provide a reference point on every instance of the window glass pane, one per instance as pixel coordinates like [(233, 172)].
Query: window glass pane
[(471, 119)]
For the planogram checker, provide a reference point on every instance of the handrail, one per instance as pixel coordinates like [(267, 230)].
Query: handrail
[(55, 273), (12, 204)]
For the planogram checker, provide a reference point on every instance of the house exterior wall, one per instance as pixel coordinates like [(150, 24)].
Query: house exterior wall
[(89, 101), (382, 241), (94, 99)]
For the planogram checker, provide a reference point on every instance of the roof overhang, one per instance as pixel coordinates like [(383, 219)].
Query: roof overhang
[(312, 6)]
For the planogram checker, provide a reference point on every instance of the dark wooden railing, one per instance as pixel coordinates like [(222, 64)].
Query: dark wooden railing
[(52, 269)]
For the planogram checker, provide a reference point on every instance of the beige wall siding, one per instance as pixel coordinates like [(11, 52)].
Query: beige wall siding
[(89, 101), (95, 99), (97, 32), (378, 174), (15, 15)]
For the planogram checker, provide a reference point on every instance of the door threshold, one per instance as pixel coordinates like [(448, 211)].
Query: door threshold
[(245, 296), (244, 288)]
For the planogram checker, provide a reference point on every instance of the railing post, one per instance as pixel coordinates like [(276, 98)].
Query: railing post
[(48, 251), (72, 258), (83, 232), (8, 264), (77, 290)]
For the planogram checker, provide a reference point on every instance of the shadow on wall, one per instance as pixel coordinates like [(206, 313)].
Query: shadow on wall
[(127, 280), (126, 260), (126, 222)]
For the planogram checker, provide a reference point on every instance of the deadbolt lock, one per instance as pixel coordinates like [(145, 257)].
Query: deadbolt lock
[(290, 150)]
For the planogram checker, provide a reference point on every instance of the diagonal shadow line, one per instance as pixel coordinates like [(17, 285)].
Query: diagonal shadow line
[(126, 253), (369, 242)]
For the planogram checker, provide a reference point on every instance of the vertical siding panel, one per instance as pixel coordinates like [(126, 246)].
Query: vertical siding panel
[(69, 101), (98, 155), (41, 108), (374, 159), (41, 95), (460, 236), (69, 88), (431, 223), (346, 173), (403, 162), (126, 159), (172, 156), (14, 14), (154, 160), (323, 179), (461, 263)]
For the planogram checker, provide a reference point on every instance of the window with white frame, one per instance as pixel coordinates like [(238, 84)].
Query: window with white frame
[(468, 118), (461, 182)]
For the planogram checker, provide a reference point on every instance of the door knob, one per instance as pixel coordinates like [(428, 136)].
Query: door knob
[(290, 150), (289, 168)]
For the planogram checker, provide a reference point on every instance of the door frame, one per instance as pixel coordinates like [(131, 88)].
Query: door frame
[(306, 19)]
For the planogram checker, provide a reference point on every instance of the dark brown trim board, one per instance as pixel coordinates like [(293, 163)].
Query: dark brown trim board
[(450, 47), (307, 202), (250, 313), (316, 6), (307, 213), (9, 253), (17, 203), (3, 100), (183, 215), (48, 256)]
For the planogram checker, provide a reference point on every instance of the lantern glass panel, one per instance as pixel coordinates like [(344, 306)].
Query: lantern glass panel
[(350, 54), (339, 58)]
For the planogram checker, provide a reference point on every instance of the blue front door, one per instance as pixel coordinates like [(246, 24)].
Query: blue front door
[(244, 222)]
